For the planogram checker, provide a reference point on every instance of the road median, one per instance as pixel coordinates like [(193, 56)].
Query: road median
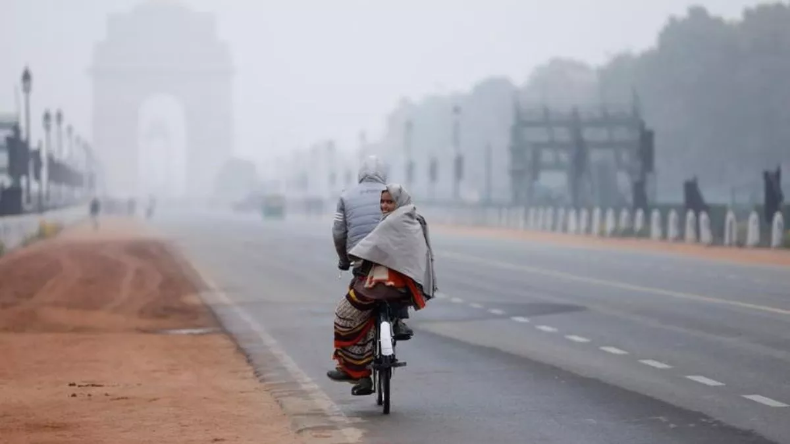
[(104, 339)]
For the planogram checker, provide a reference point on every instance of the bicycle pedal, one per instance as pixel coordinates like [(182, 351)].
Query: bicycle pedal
[(402, 337), (399, 364)]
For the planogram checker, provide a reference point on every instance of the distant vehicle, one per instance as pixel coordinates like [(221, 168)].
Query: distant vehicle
[(273, 206)]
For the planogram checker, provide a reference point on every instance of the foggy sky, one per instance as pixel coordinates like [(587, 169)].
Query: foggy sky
[(317, 69)]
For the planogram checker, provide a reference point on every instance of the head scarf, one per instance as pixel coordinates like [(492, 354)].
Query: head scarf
[(399, 195)]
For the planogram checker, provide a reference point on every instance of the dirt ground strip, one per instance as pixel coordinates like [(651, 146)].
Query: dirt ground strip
[(728, 254), (84, 359)]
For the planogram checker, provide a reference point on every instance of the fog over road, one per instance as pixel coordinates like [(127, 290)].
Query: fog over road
[(529, 342)]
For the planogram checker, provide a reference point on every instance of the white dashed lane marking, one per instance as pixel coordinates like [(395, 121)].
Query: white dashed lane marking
[(765, 401), (655, 364), (546, 328), (614, 350), (575, 338), (704, 380)]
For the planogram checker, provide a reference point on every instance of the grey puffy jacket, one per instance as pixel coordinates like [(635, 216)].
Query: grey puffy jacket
[(359, 208)]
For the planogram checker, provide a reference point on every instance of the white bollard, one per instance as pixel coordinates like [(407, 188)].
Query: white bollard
[(596, 222), (730, 229), (639, 221), (625, 221), (522, 218), (541, 220), (673, 226), (561, 221), (549, 221), (610, 222), (584, 221), (705, 232), (691, 227), (504, 217), (573, 222), (753, 230), (655, 225), (778, 231)]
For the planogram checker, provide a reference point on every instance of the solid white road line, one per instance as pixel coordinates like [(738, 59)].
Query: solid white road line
[(496, 311), (475, 305), (765, 401), (519, 319), (457, 300), (316, 397), (704, 380)]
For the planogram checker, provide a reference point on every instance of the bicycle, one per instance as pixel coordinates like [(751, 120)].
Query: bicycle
[(384, 359)]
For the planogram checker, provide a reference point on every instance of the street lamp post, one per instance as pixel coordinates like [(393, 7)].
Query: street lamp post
[(77, 152), (59, 134), (47, 120), (458, 161), (59, 152), (27, 84), (69, 148)]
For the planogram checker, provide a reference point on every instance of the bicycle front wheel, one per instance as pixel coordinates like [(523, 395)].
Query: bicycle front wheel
[(377, 382), (385, 376)]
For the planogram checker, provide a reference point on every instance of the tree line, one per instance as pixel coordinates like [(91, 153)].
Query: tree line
[(717, 93)]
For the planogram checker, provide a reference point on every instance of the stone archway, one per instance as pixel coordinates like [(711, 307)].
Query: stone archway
[(162, 47)]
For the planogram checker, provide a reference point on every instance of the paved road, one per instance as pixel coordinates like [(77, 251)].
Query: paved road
[(529, 342)]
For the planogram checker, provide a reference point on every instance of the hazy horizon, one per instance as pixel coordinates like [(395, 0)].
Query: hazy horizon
[(310, 71)]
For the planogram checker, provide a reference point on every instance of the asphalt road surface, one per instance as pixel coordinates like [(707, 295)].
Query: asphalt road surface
[(528, 343)]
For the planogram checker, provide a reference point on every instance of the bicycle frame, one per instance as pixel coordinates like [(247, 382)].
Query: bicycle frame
[(384, 361)]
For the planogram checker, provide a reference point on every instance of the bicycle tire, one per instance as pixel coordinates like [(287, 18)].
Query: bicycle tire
[(379, 396), (386, 375), (377, 360)]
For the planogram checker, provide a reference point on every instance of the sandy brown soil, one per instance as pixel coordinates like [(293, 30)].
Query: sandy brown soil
[(729, 254), (84, 359)]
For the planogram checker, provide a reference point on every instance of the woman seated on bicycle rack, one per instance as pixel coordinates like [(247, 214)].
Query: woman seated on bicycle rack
[(398, 264)]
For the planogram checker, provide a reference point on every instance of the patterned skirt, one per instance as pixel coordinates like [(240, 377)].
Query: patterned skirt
[(354, 334)]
